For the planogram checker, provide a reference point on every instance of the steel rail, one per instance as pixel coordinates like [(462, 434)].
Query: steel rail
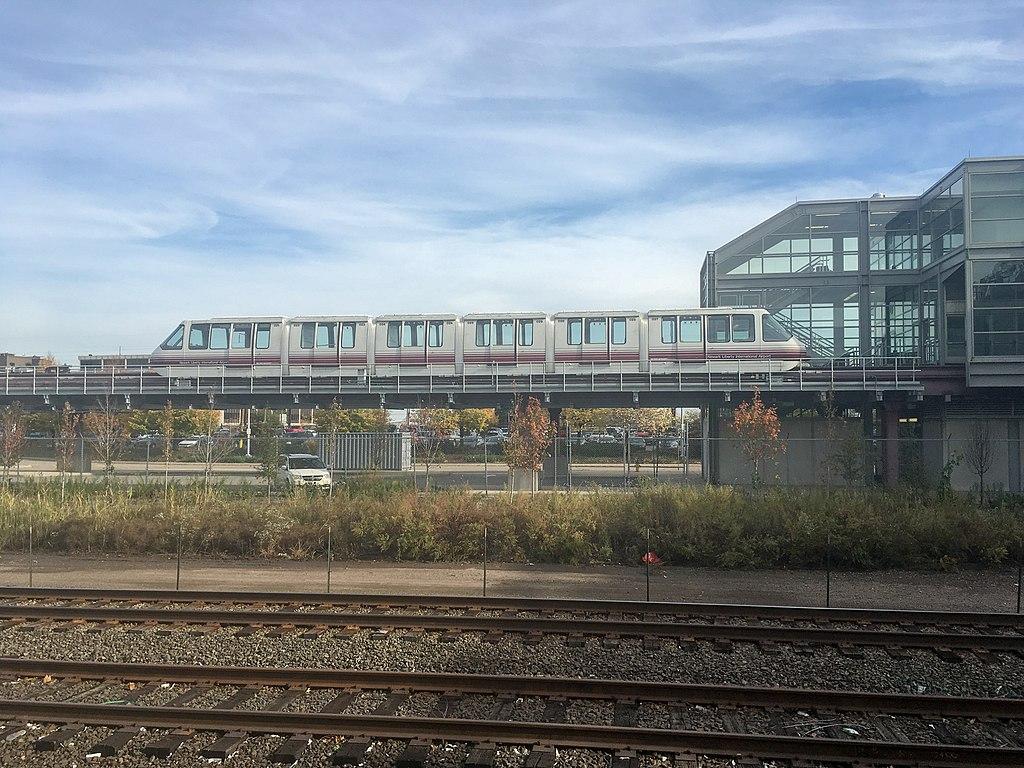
[(601, 737), (590, 688), (543, 625), (470, 602)]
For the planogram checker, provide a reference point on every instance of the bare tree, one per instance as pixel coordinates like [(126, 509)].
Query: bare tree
[(109, 429), (431, 428), (167, 436), (66, 443), (12, 438), (530, 432), (213, 447), (979, 454)]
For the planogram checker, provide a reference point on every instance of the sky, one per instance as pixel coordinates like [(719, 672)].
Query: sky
[(162, 161)]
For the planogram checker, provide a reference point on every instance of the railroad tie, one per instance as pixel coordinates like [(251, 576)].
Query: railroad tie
[(494, 636), (167, 745), (246, 631), (851, 651), (340, 702), (948, 655), (625, 714), (224, 746), (113, 744), (390, 705), (414, 755), (554, 710), (502, 707), (350, 752), (610, 641), (481, 756), (652, 644), (51, 741), (238, 698), (685, 760), (290, 750), (283, 700), (540, 757), (625, 758), (12, 732), (575, 640), (722, 645), (447, 703), (139, 692), (186, 696)]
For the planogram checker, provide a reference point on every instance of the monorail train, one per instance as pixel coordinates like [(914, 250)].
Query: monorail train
[(660, 341)]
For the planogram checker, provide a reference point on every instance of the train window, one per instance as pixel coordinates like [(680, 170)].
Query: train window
[(263, 336), (504, 333), (199, 336), (743, 328), (718, 329), (483, 333), (618, 330), (772, 330), (326, 334), (394, 334), (241, 335), (668, 330), (219, 336), (574, 330), (412, 334), (176, 338), (435, 333), (689, 329), (526, 333), (597, 330), (307, 335), (348, 335)]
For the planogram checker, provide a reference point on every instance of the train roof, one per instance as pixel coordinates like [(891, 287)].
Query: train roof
[(329, 318), (505, 315), (243, 319), (598, 313), (704, 311), (386, 318)]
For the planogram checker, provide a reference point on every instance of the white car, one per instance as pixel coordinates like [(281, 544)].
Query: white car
[(303, 470)]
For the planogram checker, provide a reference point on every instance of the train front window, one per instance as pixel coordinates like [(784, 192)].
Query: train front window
[(435, 333), (307, 335), (743, 328), (394, 334), (326, 335), (348, 335), (618, 330), (263, 336), (771, 330), (504, 333), (668, 330), (483, 333), (174, 341), (689, 330), (718, 329), (412, 334), (219, 336), (597, 330), (199, 336), (575, 331), (241, 335), (526, 333)]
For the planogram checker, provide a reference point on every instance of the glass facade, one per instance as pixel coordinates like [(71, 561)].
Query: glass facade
[(823, 241), (998, 288), (895, 315), (997, 208)]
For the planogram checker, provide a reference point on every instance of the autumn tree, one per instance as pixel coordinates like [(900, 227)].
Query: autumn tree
[(530, 432), (476, 420), (213, 447), (757, 426), (979, 453), (653, 420), (108, 429), (12, 438), (66, 443), (266, 446), (335, 419), (165, 427), (431, 428)]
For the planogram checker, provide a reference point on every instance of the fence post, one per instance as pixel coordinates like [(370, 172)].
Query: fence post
[(31, 564), (328, 559), (485, 561), (647, 564), (828, 571), (177, 572), (487, 482)]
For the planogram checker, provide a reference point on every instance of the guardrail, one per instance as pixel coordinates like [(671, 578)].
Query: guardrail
[(816, 374)]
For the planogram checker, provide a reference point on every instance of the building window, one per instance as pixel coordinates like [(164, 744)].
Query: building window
[(574, 331), (263, 336), (526, 333), (895, 321), (483, 333), (998, 308), (618, 330), (435, 333), (997, 207), (690, 330), (668, 330), (348, 335), (718, 329), (743, 328), (394, 334)]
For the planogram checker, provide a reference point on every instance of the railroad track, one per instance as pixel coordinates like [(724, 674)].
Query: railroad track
[(949, 721)]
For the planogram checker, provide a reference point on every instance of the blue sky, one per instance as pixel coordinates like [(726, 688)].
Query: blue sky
[(168, 160)]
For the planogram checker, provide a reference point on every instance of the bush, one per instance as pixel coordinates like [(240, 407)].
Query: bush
[(373, 518)]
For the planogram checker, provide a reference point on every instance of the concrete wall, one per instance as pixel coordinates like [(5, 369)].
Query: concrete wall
[(1004, 441)]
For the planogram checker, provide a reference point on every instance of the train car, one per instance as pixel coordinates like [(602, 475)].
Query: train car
[(415, 344), (507, 343), (597, 341), (716, 339), (210, 347), (336, 345)]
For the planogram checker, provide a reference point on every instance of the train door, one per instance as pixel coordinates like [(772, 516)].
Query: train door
[(691, 343), (318, 344), (434, 351), (242, 348)]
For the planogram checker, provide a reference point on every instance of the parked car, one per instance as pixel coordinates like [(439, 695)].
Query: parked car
[(146, 439), (472, 440), (303, 470), (192, 442)]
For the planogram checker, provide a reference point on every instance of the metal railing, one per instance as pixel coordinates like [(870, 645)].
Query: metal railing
[(862, 373)]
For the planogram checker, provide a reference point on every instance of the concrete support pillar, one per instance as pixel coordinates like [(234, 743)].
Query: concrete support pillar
[(711, 433), (890, 444), (554, 472)]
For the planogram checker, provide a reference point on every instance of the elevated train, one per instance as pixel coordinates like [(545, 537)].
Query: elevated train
[(511, 343)]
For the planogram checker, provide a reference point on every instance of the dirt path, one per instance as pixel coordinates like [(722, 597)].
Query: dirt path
[(967, 590)]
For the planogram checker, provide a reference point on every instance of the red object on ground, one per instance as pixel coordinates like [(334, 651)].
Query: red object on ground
[(651, 559)]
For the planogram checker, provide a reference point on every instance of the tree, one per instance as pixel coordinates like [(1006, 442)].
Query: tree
[(979, 453), (12, 438), (530, 432), (476, 420), (335, 419), (109, 430), (212, 448), (653, 420), (757, 426), (166, 429), (265, 446), (431, 428), (66, 443)]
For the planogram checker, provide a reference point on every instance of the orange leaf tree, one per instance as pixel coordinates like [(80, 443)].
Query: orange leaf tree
[(759, 430), (530, 432)]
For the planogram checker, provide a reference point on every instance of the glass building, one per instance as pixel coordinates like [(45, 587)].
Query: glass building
[(938, 278)]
